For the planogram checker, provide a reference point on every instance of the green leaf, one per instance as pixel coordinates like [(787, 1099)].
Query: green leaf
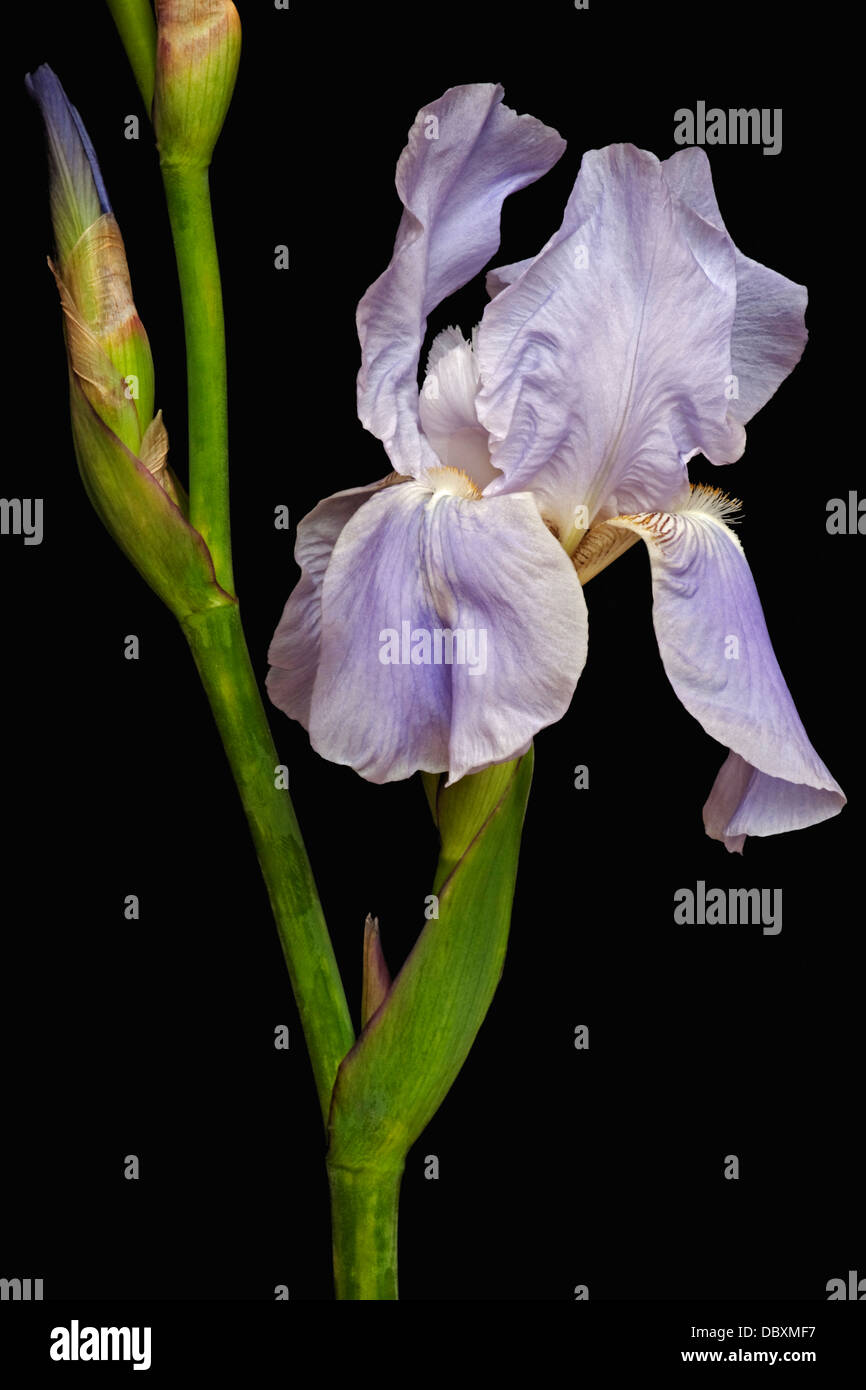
[(401, 1068)]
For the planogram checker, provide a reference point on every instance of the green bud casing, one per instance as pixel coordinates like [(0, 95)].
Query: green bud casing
[(120, 445), (141, 514), (197, 54)]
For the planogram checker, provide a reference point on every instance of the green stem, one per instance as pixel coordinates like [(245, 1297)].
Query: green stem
[(219, 648), (137, 29), (364, 1206), (188, 197)]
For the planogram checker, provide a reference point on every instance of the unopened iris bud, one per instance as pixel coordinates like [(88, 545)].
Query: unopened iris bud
[(109, 352), (120, 445), (197, 55)]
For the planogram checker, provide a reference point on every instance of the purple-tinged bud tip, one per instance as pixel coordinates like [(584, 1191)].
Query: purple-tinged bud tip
[(78, 192)]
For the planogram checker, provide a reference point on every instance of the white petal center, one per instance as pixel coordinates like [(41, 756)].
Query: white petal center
[(447, 409)]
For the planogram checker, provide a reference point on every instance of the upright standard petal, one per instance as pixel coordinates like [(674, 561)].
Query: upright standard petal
[(502, 276), (604, 361), (453, 629), (769, 330), (718, 657), (465, 154)]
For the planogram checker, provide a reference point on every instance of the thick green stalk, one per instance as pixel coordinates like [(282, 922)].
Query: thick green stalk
[(364, 1223), (137, 29), (217, 642), (188, 196)]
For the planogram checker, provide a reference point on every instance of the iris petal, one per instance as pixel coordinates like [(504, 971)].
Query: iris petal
[(447, 408), (604, 362), (295, 646), (465, 154), (407, 564), (769, 330), (718, 657)]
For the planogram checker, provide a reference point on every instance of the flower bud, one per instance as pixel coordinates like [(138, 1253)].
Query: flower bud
[(120, 445), (197, 53), (376, 978)]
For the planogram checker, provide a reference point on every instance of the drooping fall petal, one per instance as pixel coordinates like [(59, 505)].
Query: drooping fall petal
[(719, 659), (296, 645), (490, 578)]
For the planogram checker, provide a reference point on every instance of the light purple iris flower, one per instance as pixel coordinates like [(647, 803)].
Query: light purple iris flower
[(440, 621)]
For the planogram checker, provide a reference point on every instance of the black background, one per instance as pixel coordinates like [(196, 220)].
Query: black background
[(557, 1167)]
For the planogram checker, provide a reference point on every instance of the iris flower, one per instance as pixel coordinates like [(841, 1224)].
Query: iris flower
[(535, 454)]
